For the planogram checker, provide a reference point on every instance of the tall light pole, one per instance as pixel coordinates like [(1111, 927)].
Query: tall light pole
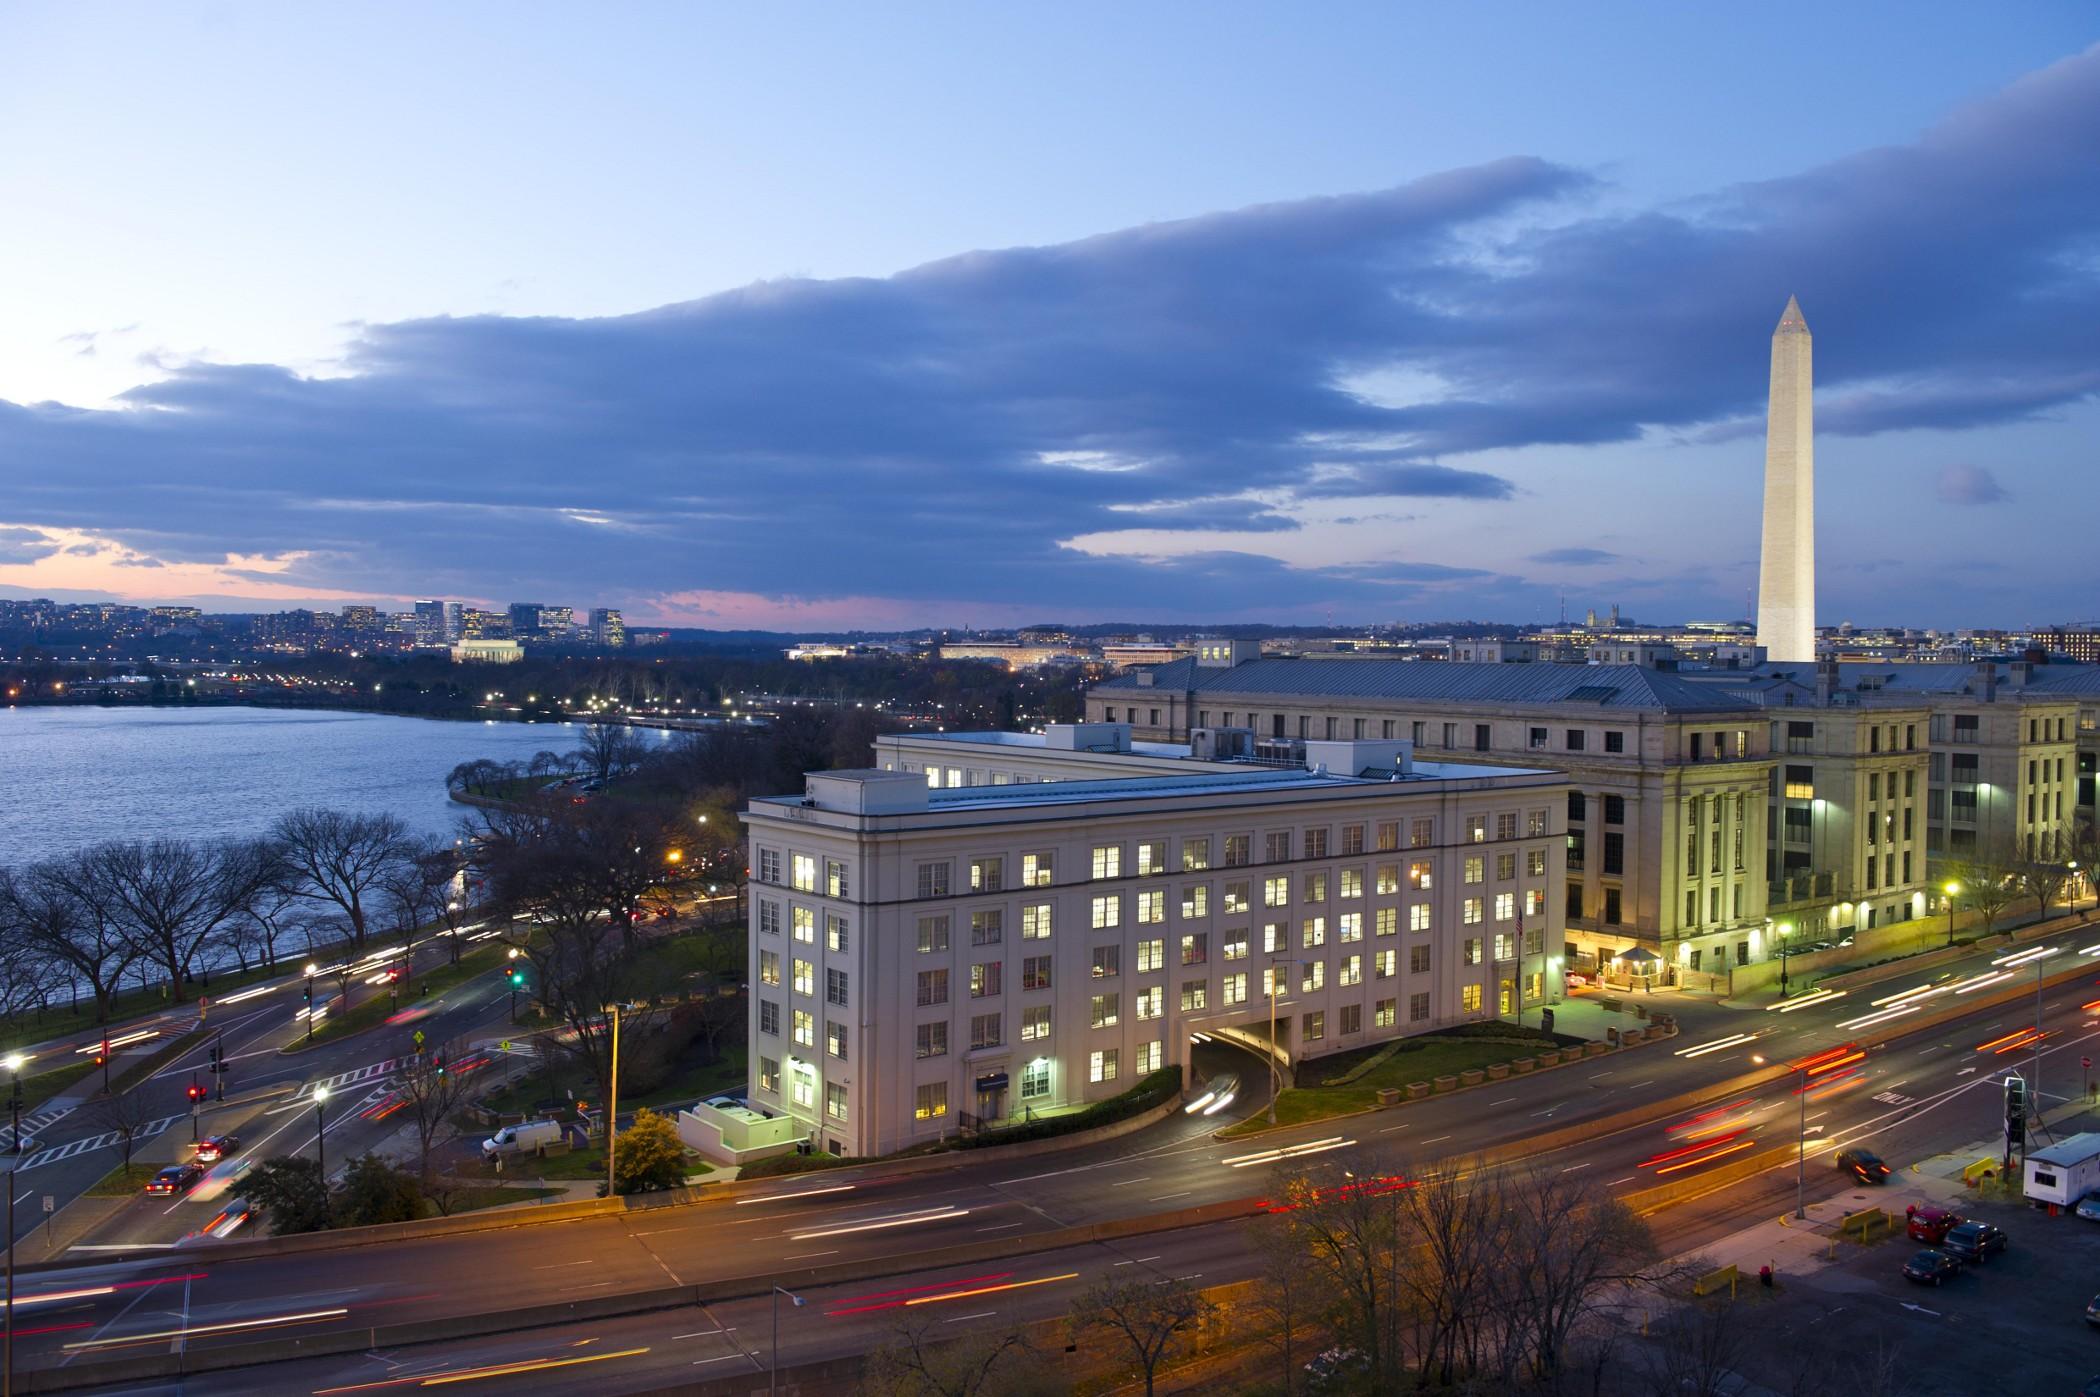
[(513, 977), (1952, 890), (1785, 930), (321, 1131), (1275, 1068), (612, 1108), (311, 971), (773, 1378), (14, 1149)]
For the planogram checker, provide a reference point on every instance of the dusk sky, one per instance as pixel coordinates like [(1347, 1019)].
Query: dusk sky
[(837, 316)]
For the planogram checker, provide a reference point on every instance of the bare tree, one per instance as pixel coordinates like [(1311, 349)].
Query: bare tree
[(431, 1088), (341, 859), (1149, 1317), (610, 750), (1290, 1299), (266, 918), (1456, 1241), (124, 1114), (921, 1360), (1989, 884), (63, 908), (2043, 877), (173, 895), (1343, 1228), (1570, 1245)]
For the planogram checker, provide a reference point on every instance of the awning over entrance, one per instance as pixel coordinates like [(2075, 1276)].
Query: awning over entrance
[(992, 1081)]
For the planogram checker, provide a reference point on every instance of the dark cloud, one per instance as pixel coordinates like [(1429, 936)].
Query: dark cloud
[(1574, 557), (1970, 485), (938, 434), (24, 545)]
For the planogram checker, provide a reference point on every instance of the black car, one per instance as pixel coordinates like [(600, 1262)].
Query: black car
[(2092, 1316), (176, 1178), (1972, 1242), (1864, 1165), (1931, 1267)]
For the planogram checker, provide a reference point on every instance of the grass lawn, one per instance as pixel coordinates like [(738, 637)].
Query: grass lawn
[(690, 1080), (468, 1200), (121, 1182), (1419, 1060), (570, 1166), (378, 1006), (45, 1085)]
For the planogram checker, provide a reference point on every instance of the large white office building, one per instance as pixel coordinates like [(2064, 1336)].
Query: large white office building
[(928, 953)]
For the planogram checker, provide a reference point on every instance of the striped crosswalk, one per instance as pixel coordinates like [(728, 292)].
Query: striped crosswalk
[(89, 1143)]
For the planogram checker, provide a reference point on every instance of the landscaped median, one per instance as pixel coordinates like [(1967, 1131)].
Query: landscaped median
[(379, 1005), (1410, 1069)]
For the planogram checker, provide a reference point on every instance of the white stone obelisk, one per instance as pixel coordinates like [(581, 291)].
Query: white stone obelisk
[(1786, 574)]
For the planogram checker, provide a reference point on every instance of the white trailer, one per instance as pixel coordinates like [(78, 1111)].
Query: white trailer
[(2062, 1174)]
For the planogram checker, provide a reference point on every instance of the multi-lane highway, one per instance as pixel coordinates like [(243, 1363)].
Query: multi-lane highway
[(1906, 1095)]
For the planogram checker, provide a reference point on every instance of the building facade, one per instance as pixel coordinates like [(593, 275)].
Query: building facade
[(929, 956)]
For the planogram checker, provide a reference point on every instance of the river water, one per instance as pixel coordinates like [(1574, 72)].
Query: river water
[(70, 777)]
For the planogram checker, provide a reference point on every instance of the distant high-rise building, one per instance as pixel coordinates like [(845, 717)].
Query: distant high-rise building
[(525, 618), (455, 619), (1786, 575), (430, 623), (360, 618), (607, 628), (556, 621), (476, 624)]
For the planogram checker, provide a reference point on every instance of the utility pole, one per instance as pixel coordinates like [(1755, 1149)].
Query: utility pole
[(612, 1107)]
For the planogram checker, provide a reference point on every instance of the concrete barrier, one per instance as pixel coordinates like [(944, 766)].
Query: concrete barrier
[(1714, 1280), (1864, 1222), (1654, 1200)]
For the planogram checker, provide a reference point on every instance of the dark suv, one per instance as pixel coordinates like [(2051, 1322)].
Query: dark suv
[(1864, 1165), (1971, 1242)]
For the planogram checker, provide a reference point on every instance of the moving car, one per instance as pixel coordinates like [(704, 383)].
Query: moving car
[(176, 1178), (2089, 1207), (1864, 1165), (1929, 1225), (1332, 1365), (213, 1148), (2092, 1312), (1974, 1242), (1932, 1267)]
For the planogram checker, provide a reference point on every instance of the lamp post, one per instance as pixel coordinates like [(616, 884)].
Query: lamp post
[(14, 1100), (513, 984), (1275, 1068), (14, 1149), (1952, 890), (773, 1377), (321, 1131), (612, 1108), (1785, 931), (311, 971)]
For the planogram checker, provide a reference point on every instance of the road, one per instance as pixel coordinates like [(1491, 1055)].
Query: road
[(1907, 1096)]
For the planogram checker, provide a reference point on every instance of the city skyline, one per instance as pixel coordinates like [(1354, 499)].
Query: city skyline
[(1494, 376)]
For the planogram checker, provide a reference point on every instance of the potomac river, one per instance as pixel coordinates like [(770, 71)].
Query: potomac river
[(77, 776)]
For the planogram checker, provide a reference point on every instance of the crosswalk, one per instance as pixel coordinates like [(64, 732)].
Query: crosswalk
[(38, 1122), (89, 1143)]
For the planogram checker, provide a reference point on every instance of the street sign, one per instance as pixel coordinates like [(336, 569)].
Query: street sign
[(50, 1204), (2085, 1062), (419, 1037)]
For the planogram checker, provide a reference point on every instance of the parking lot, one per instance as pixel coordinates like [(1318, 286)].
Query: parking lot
[(2014, 1324)]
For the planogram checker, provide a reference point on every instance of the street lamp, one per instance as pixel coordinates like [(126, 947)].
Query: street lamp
[(321, 1131), (773, 1380), (1952, 890), (311, 971), (513, 984), (1784, 930), (14, 1148), (14, 1100)]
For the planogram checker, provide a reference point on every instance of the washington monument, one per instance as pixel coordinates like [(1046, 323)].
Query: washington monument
[(1786, 573)]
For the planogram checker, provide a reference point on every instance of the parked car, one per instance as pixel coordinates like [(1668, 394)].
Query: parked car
[(1335, 1364), (1931, 1267), (1929, 1225), (2089, 1207), (213, 1148), (1864, 1165), (521, 1139), (2092, 1312), (1974, 1242), (176, 1178)]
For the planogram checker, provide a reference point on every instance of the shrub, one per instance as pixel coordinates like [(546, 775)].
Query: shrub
[(649, 1155)]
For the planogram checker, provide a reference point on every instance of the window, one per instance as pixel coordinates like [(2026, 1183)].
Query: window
[(1388, 921), (1505, 867), (987, 1030), (1534, 824), (1800, 783), (1148, 1056), (1386, 964), (1312, 932), (1577, 850), (932, 1101), (933, 987), (1505, 907), (1469, 951), (769, 865), (984, 979), (1194, 994), (1614, 853), (835, 1040), (805, 1028), (1316, 843), (1195, 902), (1352, 884), (1236, 944), (1108, 912), (805, 920), (1350, 926), (1035, 972), (1483, 737), (1035, 1022), (1614, 740), (769, 967), (1152, 906), (1233, 990), (1386, 879), (1506, 825), (1534, 902), (768, 1074), (1578, 808), (933, 933), (835, 987), (1195, 948), (1611, 906), (805, 873), (1101, 1066), (1472, 911), (1195, 854), (804, 1088), (987, 927), (1108, 861), (1576, 739), (835, 937), (769, 1017), (834, 1101), (933, 880), (1538, 739), (805, 977), (987, 875), (1236, 850), (1150, 1002), (1108, 962), (1352, 840), (1036, 869), (1278, 846), (1418, 917), (1505, 946), (1469, 999), (769, 917), (1351, 972), (1476, 869), (1035, 1079), (1418, 1007), (1476, 829), (1382, 1013), (1273, 940), (835, 879), (1388, 836), (1615, 810), (1315, 887), (1276, 892), (1313, 976), (1236, 898), (1151, 955), (1535, 862), (1151, 857), (1421, 833), (932, 1040), (1352, 1018), (1315, 1025)]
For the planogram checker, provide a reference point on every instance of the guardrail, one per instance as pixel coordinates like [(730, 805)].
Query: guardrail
[(1864, 1222)]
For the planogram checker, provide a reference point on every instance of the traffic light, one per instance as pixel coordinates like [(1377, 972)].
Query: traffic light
[(196, 1093), (309, 993), (2015, 1107), (438, 1061)]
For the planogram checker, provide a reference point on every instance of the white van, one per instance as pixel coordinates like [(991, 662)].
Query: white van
[(521, 1139)]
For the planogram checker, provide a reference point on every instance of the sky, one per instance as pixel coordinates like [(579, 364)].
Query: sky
[(969, 315)]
